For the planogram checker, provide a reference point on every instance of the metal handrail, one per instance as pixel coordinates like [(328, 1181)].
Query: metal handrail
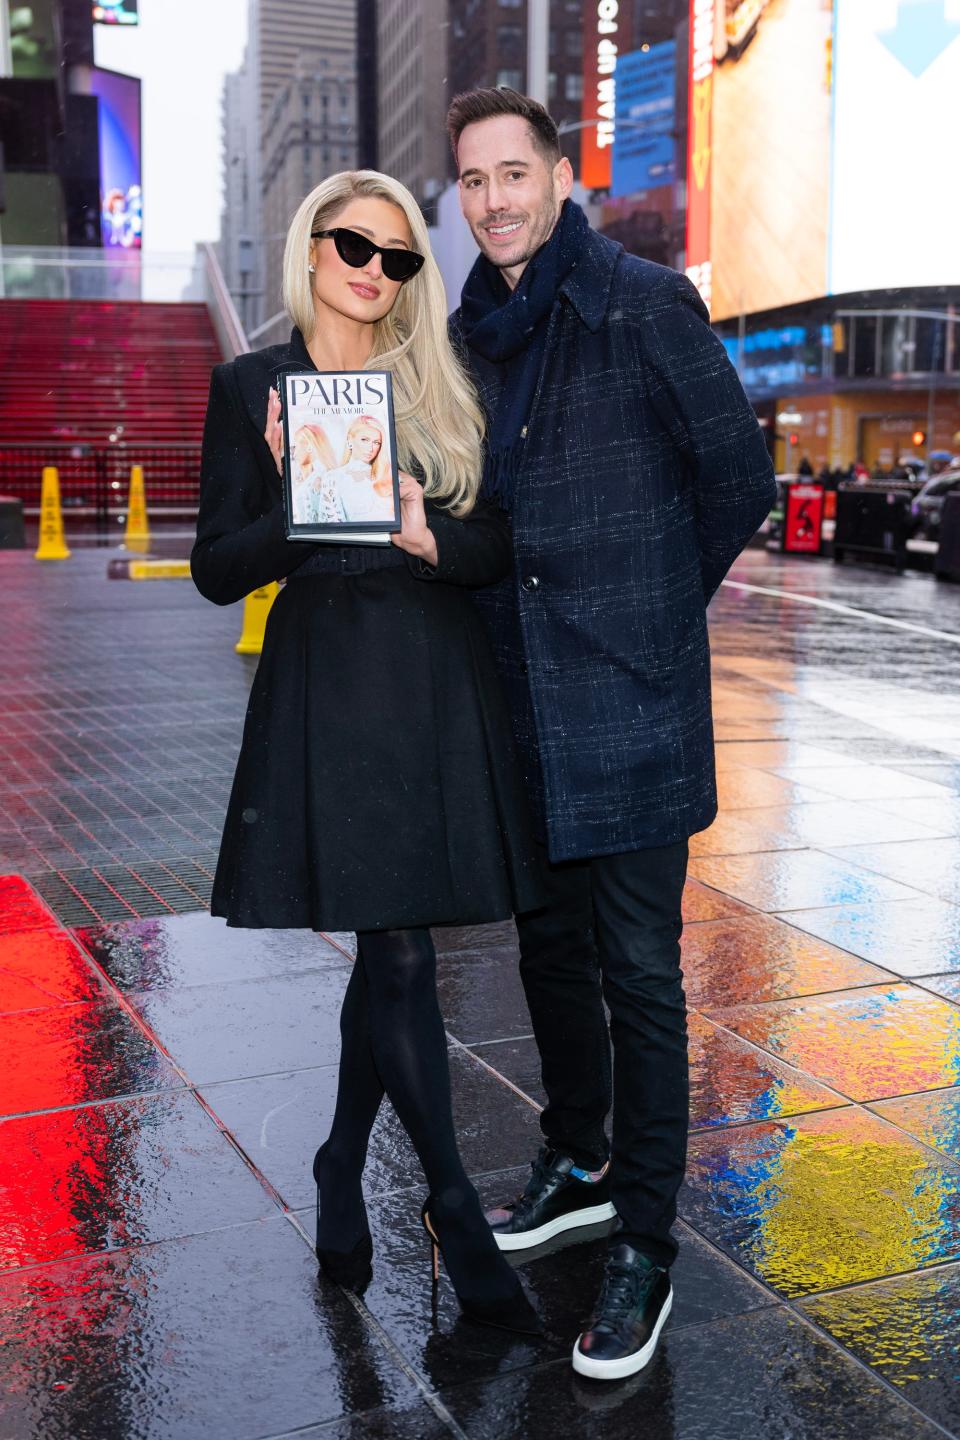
[(267, 324), (223, 313)]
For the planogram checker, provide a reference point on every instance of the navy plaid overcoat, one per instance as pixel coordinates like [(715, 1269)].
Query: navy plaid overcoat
[(644, 475)]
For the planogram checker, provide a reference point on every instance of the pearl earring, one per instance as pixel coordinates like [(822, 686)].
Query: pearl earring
[(312, 269)]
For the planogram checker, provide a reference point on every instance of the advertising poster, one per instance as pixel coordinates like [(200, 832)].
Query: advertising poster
[(644, 152), (121, 196), (606, 36), (803, 520), (895, 193)]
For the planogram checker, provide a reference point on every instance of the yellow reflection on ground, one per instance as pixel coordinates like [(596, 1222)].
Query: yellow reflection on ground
[(824, 1200)]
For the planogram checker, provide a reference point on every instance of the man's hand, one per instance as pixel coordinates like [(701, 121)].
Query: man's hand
[(414, 536)]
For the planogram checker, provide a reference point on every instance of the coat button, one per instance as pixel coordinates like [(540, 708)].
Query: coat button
[(529, 582)]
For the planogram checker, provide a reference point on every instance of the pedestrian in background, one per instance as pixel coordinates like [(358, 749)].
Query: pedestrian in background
[(376, 788), (624, 447)]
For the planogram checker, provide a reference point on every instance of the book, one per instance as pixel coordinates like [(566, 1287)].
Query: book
[(340, 474)]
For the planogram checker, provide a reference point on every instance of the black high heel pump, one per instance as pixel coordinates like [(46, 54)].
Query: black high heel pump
[(509, 1310), (353, 1269)]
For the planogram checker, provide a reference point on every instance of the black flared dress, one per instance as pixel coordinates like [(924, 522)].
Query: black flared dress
[(377, 786)]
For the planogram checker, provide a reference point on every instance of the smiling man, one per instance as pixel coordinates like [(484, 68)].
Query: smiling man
[(621, 442)]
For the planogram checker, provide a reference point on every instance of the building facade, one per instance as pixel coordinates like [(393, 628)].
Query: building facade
[(239, 221), (289, 120), (412, 38), (488, 46)]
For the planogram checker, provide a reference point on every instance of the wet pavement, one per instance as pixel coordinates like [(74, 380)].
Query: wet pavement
[(165, 1082)]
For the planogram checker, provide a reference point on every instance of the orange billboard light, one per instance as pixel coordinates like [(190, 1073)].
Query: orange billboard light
[(700, 145)]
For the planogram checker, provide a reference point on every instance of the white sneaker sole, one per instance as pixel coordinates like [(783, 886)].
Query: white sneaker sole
[(576, 1220), (630, 1364)]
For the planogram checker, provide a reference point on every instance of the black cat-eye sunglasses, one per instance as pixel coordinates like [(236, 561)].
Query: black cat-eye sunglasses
[(357, 250)]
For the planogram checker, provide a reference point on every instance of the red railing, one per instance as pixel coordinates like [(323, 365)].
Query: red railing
[(95, 480)]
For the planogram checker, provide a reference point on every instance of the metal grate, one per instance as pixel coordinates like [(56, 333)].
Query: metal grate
[(121, 892)]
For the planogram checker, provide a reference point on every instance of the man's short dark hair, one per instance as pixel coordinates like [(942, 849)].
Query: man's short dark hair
[(475, 105)]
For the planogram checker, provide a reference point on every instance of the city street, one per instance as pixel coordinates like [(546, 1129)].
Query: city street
[(165, 1081)]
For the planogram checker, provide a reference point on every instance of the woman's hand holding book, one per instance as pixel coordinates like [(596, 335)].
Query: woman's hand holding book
[(415, 536), (273, 433)]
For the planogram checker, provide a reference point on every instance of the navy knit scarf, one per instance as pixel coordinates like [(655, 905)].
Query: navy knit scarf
[(510, 328)]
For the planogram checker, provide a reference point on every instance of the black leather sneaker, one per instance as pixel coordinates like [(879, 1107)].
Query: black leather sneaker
[(623, 1331), (556, 1199)]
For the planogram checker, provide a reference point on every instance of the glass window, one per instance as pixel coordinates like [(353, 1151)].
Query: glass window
[(513, 78), (865, 345), (508, 36), (930, 345), (897, 345), (573, 87)]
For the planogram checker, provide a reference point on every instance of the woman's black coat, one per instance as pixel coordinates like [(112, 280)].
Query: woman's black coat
[(377, 786)]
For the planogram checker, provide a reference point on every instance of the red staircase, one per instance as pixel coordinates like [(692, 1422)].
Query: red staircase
[(123, 381)]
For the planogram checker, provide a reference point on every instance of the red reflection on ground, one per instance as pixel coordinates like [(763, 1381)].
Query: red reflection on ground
[(43, 967), (21, 907), (50, 1192), (45, 1190)]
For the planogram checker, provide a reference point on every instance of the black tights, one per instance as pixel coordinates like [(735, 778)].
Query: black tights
[(392, 1040)]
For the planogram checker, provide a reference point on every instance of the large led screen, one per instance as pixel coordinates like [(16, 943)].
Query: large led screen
[(820, 137), (896, 179), (121, 196)]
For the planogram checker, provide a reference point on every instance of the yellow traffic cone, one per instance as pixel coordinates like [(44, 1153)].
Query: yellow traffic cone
[(256, 608), (137, 533), (52, 545)]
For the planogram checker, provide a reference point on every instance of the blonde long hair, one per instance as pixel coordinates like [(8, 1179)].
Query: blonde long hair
[(439, 421), (318, 443)]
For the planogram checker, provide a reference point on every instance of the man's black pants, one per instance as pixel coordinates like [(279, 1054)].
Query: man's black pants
[(611, 930)]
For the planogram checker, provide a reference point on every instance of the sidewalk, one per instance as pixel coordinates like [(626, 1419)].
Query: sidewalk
[(165, 1082)]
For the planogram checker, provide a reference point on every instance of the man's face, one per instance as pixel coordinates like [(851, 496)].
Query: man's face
[(509, 195)]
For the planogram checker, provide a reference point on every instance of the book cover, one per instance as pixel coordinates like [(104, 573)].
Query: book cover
[(340, 476)]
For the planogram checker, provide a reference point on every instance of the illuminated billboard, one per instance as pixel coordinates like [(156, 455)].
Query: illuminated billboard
[(116, 12), (121, 196), (606, 35), (644, 155), (894, 154), (817, 135)]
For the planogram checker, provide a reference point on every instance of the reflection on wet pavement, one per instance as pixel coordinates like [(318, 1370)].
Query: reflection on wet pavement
[(165, 1081), (907, 1330), (758, 957), (823, 1200), (868, 1043), (933, 1118)]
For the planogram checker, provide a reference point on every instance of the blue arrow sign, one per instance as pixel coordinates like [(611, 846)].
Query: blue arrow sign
[(922, 32)]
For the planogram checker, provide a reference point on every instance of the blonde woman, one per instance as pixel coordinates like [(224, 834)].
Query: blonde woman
[(376, 788), (313, 460), (363, 482)]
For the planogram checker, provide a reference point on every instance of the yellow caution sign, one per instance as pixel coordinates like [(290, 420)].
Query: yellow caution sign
[(137, 534), (52, 545), (256, 608)]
